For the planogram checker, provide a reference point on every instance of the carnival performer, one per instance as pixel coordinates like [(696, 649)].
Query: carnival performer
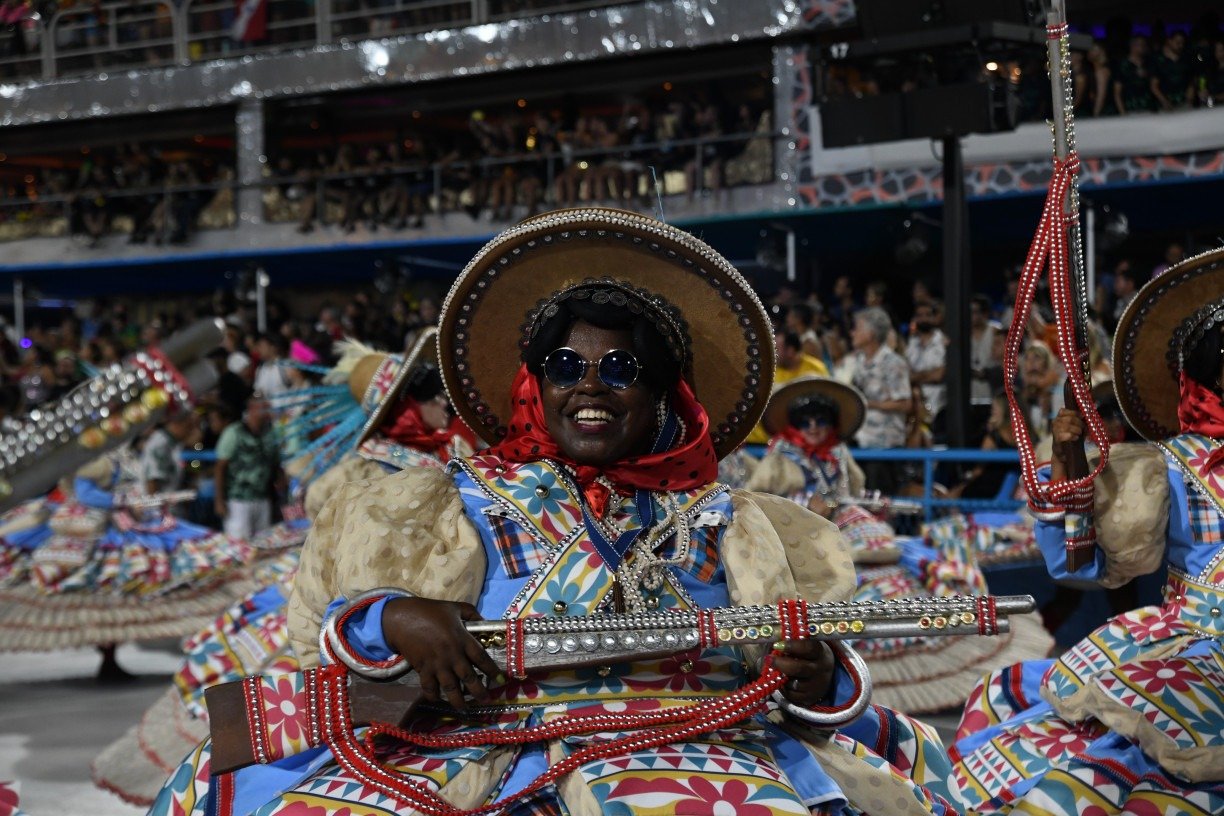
[(396, 415), (808, 462), (607, 402), (107, 567), (1130, 719)]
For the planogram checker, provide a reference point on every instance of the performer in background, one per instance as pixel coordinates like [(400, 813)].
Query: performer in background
[(808, 462), (1131, 719), (608, 402), (373, 414)]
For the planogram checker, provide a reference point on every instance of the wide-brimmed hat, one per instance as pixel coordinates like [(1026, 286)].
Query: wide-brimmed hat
[(1152, 336), (377, 379), (850, 402), (491, 308)]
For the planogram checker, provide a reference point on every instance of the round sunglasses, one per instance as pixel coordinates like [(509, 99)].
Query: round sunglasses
[(617, 369)]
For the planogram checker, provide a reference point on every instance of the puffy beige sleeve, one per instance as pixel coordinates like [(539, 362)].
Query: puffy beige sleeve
[(404, 530), (351, 468), (1132, 512), (775, 549), (776, 474)]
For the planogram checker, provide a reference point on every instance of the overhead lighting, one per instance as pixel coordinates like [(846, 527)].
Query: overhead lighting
[(992, 66)]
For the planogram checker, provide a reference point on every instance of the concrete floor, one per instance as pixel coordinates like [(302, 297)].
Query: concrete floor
[(54, 719)]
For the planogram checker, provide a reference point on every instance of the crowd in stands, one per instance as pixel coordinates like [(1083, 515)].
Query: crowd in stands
[(501, 165)]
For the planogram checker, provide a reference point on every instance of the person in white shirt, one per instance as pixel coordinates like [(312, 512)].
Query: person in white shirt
[(926, 352), (272, 378)]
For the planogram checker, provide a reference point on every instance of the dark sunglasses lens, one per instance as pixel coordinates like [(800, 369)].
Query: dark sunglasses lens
[(564, 368), (618, 369)]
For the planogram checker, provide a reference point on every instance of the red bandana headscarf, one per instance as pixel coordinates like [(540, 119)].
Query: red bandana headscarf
[(691, 465), (822, 451), (407, 427), (1200, 411)]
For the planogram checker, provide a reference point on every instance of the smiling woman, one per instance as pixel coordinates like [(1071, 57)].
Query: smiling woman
[(606, 402)]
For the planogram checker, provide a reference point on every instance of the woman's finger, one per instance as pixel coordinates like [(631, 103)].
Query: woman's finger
[(450, 689)]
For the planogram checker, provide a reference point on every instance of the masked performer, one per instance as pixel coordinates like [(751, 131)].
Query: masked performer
[(396, 415), (808, 418), (607, 403), (1131, 719)]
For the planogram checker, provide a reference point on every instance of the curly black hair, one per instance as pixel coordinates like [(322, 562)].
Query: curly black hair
[(660, 368), (1203, 361)]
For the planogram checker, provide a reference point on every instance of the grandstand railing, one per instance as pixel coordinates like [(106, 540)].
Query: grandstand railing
[(52, 215), (930, 459), (92, 37)]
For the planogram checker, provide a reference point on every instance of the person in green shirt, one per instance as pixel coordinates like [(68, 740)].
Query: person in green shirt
[(247, 465)]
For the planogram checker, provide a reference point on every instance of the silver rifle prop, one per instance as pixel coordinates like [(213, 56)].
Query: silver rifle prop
[(883, 504)]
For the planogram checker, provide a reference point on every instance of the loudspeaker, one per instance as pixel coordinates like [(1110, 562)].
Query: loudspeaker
[(885, 18), (866, 120), (926, 113)]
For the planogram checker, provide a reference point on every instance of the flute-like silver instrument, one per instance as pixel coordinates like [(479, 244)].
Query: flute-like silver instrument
[(523, 645)]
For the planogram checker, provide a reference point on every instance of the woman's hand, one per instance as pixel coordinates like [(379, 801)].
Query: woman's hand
[(430, 636), (1067, 432), (808, 665)]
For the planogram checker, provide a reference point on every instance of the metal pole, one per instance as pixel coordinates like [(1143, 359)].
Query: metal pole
[(956, 292), (792, 260), (323, 32), (1090, 253), (261, 300), (19, 308)]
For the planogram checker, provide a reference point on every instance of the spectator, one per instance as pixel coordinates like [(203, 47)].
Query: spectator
[(926, 353), (982, 332), (843, 303), (1126, 285), (801, 320), (1040, 373), (161, 468), (792, 364), (1212, 92), (1175, 253), (232, 391), (1100, 82), (1133, 80), (883, 377), (839, 359), (272, 377), (1172, 82), (984, 481), (247, 465)]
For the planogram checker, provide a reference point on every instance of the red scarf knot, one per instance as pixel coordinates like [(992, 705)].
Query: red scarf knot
[(1201, 411), (822, 451), (690, 465), (406, 426)]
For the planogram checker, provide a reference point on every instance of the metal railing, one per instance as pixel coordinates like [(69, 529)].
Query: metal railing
[(443, 187), (87, 38)]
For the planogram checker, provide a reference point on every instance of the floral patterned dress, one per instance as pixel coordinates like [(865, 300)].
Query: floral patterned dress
[(542, 561), (1131, 719)]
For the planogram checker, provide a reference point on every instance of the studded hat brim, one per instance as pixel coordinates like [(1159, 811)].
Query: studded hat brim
[(485, 315), (851, 404), (1148, 338), (423, 350)]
